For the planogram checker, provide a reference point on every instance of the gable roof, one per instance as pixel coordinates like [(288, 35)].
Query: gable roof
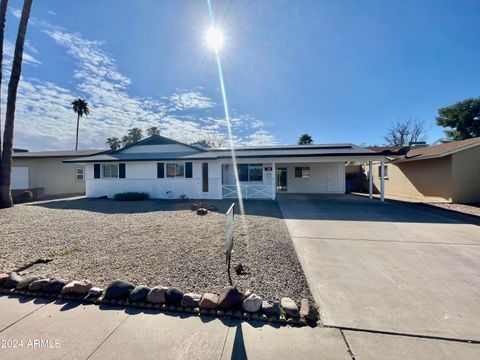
[(436, 151), (58, 153), (158, 140), (256, 152)]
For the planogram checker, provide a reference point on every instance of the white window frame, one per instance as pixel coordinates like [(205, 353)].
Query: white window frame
[(249, 169), (82, 174), (380, 171), (110, 177), (176, 176), (305, 172)]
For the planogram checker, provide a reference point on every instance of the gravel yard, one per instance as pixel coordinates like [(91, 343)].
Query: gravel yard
[(153, 243)]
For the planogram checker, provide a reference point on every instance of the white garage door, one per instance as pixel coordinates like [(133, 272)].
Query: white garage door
[(19, 177)]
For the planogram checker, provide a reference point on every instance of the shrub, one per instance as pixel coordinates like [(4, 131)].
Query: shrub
[(131, 196), (23, 197)]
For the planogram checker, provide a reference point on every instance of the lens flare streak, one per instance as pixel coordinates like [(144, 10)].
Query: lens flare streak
[(225, 108)]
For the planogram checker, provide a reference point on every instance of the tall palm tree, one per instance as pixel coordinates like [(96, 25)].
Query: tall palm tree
[(79, 107), (6, 171), (3, 12), (114, 142), (153, 130), (135, 134)]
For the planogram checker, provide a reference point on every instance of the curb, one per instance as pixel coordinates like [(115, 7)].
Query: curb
[(234, 314)]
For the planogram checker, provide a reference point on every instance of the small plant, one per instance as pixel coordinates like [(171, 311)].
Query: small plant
[(23, 197), (131, 196), (183, 197)]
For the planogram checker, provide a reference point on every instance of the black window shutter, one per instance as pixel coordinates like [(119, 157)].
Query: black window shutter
[(205, 177), (96, 171), (298, 172), (188, 170), (160, 170), (121, 171)]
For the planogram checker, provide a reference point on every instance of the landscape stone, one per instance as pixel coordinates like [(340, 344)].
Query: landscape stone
[(252, 304), (202, 211), (304, 307), (291, 309), (54, 285), (271, 308), (12, 280), (157, 295), (308, 311), (37, 285), (173, 296), (190, 300), (230, 297), (23, 284), (118, 289), (77, 287), (3, 278), (194, 207), (139, 293), (95, 292), (209, 301)]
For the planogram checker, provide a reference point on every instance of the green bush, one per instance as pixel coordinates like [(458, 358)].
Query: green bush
[(131, 196), (23, 197)]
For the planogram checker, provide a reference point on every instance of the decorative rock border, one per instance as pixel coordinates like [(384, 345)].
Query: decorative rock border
[(230, 302)]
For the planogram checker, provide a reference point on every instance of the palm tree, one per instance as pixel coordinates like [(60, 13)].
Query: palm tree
[(3, 12), (80, 107), (153, 130), (305, 139), (114, 143), (135, 134), (6, 196)]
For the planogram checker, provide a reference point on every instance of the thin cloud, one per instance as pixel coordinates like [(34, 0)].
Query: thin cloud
[(44, 119)]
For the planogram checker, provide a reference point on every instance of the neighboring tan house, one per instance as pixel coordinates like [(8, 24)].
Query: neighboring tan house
[(447, 172), (165, 168), (46, 175)]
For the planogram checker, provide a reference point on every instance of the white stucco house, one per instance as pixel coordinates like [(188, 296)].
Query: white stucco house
[(165, 168)]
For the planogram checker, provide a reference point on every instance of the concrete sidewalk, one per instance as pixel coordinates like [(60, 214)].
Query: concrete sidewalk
[(40, 329), (79, 331)]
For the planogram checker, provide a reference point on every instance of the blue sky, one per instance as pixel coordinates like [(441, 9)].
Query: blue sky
[(339, 70)]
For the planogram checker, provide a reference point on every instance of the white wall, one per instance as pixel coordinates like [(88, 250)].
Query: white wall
[(19, 178), (324, 178), (142, 177)]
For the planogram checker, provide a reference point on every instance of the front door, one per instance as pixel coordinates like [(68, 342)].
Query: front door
[(282, 179)]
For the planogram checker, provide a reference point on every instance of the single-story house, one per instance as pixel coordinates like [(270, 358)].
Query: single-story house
[(46, 175), (165, 168), (447, 172)]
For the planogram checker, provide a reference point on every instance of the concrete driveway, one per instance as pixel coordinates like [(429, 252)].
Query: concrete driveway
[(387, 267)]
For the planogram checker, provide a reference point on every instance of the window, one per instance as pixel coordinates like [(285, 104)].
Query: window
[(110, 171), (255, 172), (380, 171), (302, 172), (79, 174), (175, 170), (242, 172), (250, 172)]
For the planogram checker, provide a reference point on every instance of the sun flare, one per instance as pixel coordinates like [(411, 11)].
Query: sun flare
[(214, 38)]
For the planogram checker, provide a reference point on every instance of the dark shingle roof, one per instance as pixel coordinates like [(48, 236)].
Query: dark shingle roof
[(58, 153), (435, 151), (240, 153)]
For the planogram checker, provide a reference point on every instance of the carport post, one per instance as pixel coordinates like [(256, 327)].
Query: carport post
[(370, 180), (274, 182), (382, 180)]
